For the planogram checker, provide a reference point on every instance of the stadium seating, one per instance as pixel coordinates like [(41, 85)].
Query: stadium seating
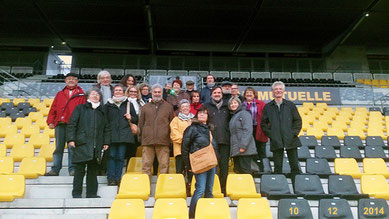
[(32, 167), (46, 151), (170, 186), (21, 151), (343, 186), (217, 192), (254, 208), (334, 208), (318, 166), (12, 186), (347, 166), (6, 165), (294, 208), (39, 139), (212, 208), (127, 208), (372, 208), (274, 186), (241, 186), (375, 186), (171, 208), (135, 165), (134, 186), (375, 166)]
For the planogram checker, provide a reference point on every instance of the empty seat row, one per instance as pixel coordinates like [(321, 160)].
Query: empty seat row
[(36, 139), (329, 153), (30, 167), (311, 141), (19, 152)]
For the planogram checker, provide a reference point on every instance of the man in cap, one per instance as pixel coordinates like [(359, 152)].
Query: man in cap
[(189, 85), (60, 111), (226, 88)]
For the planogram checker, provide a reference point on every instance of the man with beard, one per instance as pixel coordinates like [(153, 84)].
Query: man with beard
[(154, 121), (226, 88), (219, 116), (205, 94), (282, 123)]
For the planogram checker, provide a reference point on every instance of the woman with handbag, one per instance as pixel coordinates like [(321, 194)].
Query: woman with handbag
[(198, 153), (88, 132), (242, 142), (120, 114)]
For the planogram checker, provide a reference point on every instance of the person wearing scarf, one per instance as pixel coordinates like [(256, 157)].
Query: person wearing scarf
[(145, 93), (206, 91), (177, 128), (104, 84), (120, 112), (176, 95), (195, 105), (88, 133)]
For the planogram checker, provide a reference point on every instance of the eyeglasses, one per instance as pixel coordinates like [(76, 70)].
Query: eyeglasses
[(133, 91)]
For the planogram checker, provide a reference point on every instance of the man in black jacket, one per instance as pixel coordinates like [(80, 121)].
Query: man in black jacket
[(282, 123), (219, 116)]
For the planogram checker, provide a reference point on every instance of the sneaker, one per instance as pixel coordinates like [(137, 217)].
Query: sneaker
[(71, 173), (51, 173), (112, 182)]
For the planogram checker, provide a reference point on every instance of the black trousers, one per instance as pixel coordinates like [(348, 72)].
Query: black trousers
[(224, 156), (278, 156), (261, 150), (179, 164), (91, 178), (242, 164)]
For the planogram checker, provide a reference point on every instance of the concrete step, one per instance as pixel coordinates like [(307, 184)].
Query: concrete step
[(59, 180), (52, 203), (64, 191), (57, 216)]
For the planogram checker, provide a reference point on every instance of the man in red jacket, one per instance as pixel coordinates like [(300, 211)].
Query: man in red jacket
[(62, 108)]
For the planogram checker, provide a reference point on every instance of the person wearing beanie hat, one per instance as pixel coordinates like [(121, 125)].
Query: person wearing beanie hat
[(176, 95), (189, 85), (177, 128)]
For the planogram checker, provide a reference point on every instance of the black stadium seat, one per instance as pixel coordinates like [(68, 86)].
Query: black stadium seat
[(294, 208), (303, 153), (15, 115), (374, 108), (350, 152), (27, 111), (274, 186), (327, 152), (6, 105), (373, 208), (309, 186), (11, 110), (330, 141), (343, 186), (375, 152), (318, 166), (24, 105), (353, 141), (374, 141), (308, 140), (334, 208)]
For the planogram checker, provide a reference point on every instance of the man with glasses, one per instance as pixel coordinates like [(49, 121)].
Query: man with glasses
[(60, 111), (235, 92)]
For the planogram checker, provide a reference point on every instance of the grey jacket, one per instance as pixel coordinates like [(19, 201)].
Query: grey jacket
[(241, 130)]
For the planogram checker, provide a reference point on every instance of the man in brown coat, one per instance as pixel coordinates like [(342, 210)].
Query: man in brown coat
[(154, 121)]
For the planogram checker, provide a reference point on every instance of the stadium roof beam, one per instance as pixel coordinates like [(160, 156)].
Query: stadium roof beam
[(329, 48), (247, 28), (51, 27), (150, 27)]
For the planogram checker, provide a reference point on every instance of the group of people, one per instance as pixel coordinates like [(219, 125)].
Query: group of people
[(117, 119)]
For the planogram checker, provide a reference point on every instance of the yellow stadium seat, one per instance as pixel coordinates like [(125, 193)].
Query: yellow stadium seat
[(16, 101), (41, 123), (48, 102), (320, 125), (317, 132), (14, 139), (5, 121), (344, 119), (170, 186), (361, 109), (321, 105), (46, 151), (39, 139), (6, 165), (383, 82), (32, 167), (360, 81), (303, 110), (358, 125), (375, 82), (375, 114), (314, 114), (308, 105), (305, 125), (34, 101), (134, 186), (29, 130), (375, 166), (241, 186), (333, 109), (375, 186), (367, 81), (356, 132), (217, 191), (347, 166), (40, 106), (254, 208), (308, 119), (212, 208), (172, 166), (339, 125), (49, 131), (319, 110), (360, 118), (24, 121), (19, 152), (139, 151), (170, 208), (4, 100), (8, 130), (346, 114), (34, 116), (3, 150), (45, 111), (336, 132), (11, 187), (329, 114), (347, 109), (376, 131), (127, 208), (135, 165)]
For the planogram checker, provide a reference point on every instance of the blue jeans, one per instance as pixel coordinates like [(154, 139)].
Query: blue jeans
[(204, 186), (60, 140), (116, 153)]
